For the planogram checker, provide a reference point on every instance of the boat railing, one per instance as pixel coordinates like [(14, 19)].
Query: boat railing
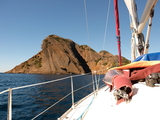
[(95, 82)]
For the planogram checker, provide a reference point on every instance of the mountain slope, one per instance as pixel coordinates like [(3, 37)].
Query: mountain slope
[(60, 55)]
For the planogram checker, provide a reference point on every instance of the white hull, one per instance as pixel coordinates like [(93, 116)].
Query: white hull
[(143, 105)]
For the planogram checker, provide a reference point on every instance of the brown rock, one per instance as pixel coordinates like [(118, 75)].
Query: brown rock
[(59, 55)]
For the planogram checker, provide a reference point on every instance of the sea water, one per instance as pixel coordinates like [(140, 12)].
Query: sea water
[(29, 102)]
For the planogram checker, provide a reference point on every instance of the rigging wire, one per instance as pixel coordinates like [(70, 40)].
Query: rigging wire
[(86, 16), (130, 21), (126, 47), (105, 33)]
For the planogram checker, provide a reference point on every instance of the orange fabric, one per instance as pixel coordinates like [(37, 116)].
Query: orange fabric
[(143, 73), (139, 64)]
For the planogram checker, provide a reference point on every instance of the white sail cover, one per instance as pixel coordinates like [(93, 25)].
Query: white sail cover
[(133, 12), (149, 5)]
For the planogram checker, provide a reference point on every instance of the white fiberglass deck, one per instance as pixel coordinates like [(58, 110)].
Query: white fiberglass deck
[(144, 105)]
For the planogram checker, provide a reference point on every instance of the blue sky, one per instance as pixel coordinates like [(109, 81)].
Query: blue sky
[(25, 23)]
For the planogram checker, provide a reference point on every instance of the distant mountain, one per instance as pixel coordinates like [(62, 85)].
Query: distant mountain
[(64, 56)]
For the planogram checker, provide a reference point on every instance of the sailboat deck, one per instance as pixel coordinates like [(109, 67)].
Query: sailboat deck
[(144, 105)]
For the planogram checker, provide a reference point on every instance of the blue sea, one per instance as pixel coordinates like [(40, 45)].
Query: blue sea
[(30, 101)]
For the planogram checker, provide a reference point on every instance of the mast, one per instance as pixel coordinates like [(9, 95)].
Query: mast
[(139, 44), (116, 13)]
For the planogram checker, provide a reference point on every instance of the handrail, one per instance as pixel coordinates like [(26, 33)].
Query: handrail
[(51, 106), (61, 100), (9, 115), (4, 91), (39, 83)]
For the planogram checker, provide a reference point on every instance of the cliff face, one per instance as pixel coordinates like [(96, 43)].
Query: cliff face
[(59, 55)]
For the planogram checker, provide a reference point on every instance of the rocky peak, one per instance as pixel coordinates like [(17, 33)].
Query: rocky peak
[(60, 55)]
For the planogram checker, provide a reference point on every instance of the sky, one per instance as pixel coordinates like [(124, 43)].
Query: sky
[(24, 24)]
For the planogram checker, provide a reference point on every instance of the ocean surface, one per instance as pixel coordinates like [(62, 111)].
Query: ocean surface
[(30, 101)]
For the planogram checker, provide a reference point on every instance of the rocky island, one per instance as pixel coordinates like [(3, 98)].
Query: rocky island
[(64, 56)]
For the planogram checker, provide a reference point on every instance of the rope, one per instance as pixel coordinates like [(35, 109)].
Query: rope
[(97, 83), (106, 24), (86, 109)]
